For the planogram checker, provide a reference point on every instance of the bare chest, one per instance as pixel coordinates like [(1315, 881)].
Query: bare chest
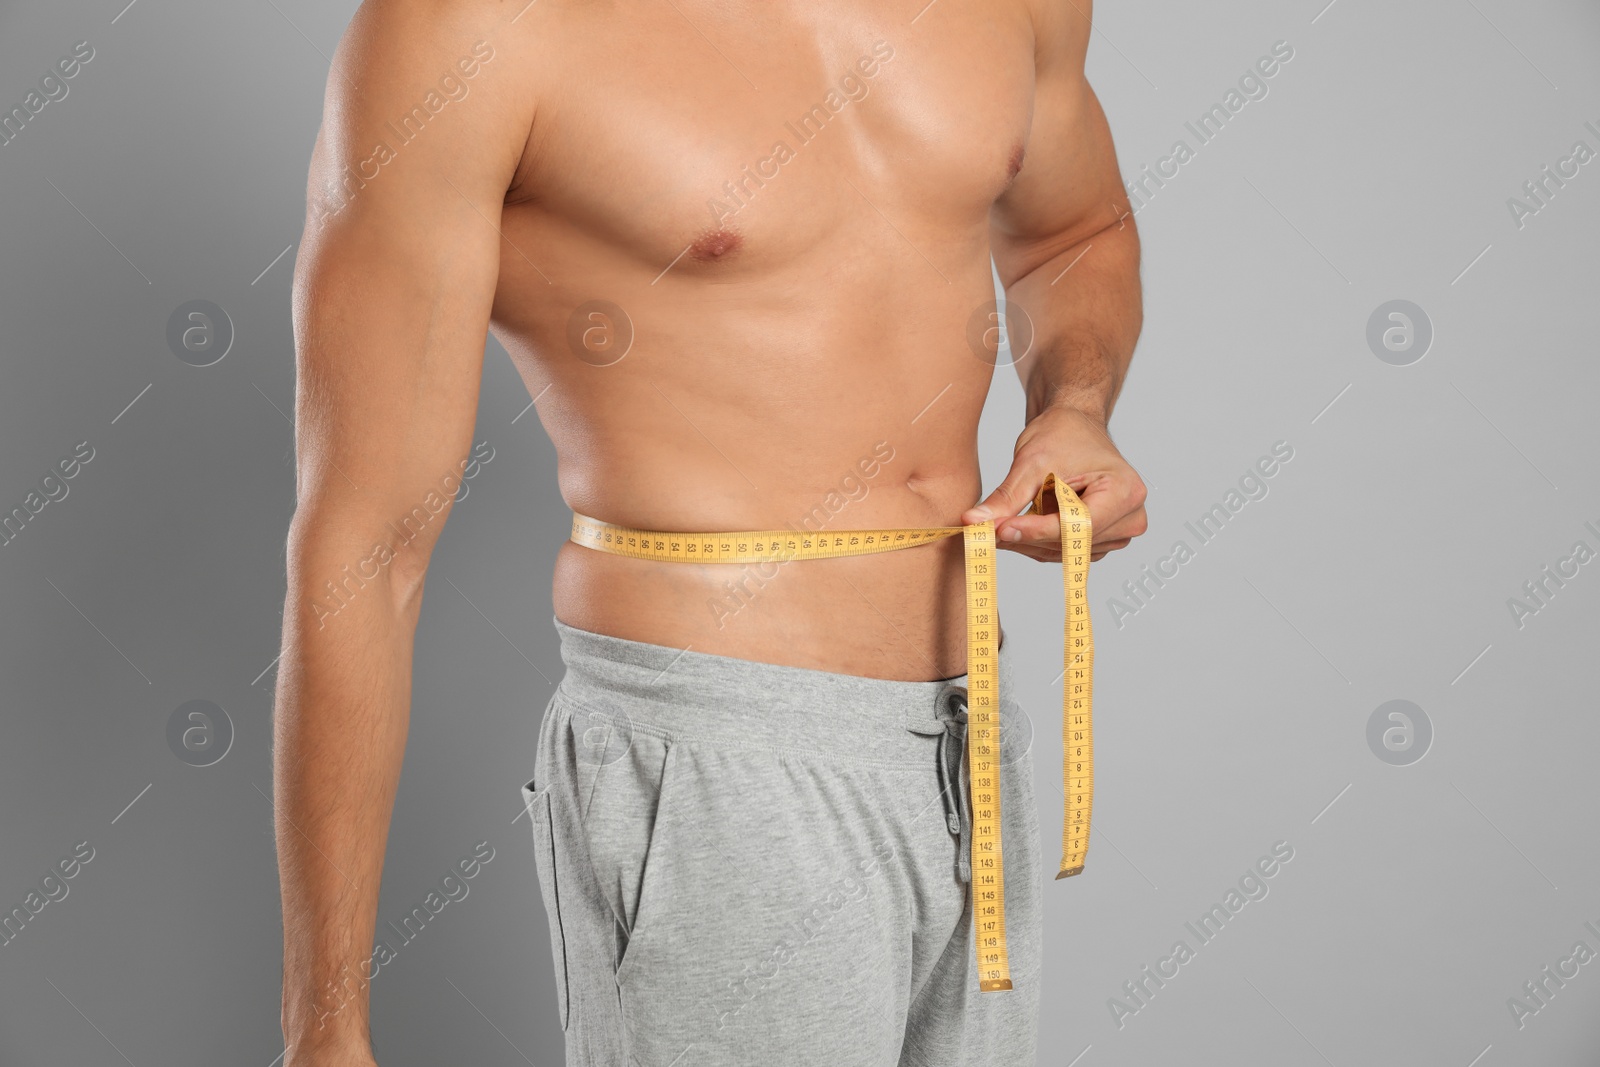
[(733, 137)]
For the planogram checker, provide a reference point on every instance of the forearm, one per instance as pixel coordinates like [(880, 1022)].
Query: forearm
[(339, 729), (1087, 311)]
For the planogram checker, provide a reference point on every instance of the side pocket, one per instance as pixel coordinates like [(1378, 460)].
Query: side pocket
[(629, 840), (538, 804)]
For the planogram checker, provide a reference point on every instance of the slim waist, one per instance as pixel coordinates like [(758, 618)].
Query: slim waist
[(695, 694)]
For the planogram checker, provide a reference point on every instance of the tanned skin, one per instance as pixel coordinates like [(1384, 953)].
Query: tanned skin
[(776, 341)]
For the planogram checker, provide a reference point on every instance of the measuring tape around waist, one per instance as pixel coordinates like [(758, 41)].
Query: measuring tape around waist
[(983, 664)]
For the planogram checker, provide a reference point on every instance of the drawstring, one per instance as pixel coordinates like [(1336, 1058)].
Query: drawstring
[(953, 783)]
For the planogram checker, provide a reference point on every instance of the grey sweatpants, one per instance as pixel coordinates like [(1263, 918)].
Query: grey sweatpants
[(748, 864)]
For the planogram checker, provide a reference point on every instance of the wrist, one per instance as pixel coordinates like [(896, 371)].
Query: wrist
[(337, 1027), (1084, 390), (1093, 405), (314, 1049)]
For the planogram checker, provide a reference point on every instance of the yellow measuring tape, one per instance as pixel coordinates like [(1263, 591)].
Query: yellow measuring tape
[(983, 667)]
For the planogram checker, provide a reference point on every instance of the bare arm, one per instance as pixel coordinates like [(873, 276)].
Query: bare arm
[(1067, 208), (1067, 252), (392, 292)]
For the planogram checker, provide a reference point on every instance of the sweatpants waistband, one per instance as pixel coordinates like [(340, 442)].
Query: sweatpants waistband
[(696, 694)]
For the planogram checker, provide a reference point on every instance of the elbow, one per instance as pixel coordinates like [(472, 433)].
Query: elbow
[(355, 566)]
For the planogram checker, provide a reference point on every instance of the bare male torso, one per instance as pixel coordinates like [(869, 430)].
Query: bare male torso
[(789, 216), (740, 254)]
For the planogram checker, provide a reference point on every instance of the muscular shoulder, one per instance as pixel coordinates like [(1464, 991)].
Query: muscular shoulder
[(400, 46), (413, 28), (430, 88)]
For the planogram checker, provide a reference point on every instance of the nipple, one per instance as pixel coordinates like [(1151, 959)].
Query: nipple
[(715, 244), (1014, 167)]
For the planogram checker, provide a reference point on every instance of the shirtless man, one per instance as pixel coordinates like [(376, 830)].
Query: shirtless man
[(738, 254)]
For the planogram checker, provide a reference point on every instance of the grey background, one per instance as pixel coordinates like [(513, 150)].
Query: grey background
[(1232, 707)]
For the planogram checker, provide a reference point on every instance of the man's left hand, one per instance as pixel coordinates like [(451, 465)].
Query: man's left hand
[(1076, 447)]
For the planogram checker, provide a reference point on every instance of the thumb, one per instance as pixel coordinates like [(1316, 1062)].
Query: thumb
[(1020, 486)]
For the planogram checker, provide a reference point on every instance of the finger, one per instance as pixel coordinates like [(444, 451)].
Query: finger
[(1020, 486), (1050, 551), (1052, 554), (1117, 505), (1038, 529), (1045, 530), (1122, 528)]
